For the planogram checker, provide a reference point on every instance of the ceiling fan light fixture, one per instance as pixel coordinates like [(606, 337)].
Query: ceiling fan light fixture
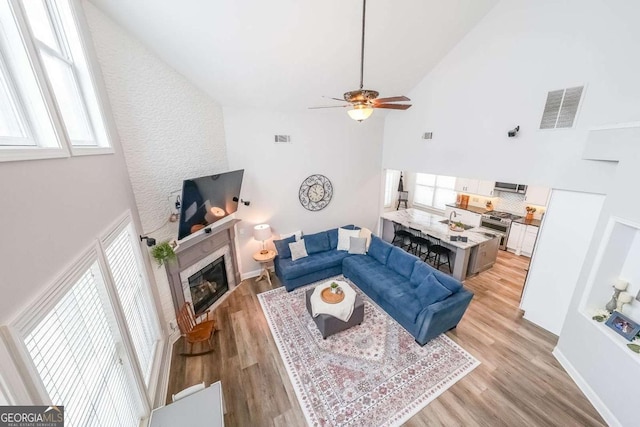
[(360, 112)]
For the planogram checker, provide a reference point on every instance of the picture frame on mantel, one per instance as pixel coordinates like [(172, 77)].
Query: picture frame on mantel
[(623, 325)]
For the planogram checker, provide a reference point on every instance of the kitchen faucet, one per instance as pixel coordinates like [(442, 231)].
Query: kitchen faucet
[(454, 215)]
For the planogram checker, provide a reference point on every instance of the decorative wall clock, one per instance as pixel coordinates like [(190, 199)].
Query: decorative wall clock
[(315, 192)]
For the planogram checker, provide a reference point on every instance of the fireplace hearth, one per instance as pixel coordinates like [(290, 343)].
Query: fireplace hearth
[(208, 285)]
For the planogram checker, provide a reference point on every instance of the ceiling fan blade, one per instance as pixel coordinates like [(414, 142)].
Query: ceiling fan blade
[(392, 106), (391, 99), (330, 106), (337, 99)]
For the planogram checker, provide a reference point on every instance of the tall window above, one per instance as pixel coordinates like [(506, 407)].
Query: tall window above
[(48, 97), (434, 191)]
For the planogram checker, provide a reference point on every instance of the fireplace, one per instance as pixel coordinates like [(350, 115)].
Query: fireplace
[(205, 269), (208, 285)]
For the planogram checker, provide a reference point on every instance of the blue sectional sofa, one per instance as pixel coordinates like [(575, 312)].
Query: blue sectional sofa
[(425, 301)]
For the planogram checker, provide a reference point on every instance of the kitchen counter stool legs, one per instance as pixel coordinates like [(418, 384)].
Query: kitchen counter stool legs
[(438, 251)]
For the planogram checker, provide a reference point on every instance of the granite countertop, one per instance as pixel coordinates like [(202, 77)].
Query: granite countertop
[(430, 224), (534, 222)]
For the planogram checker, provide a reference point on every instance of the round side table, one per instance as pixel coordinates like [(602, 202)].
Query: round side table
[(264, 260)]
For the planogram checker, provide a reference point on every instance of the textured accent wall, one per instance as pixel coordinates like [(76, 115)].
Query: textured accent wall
[(169, 129)]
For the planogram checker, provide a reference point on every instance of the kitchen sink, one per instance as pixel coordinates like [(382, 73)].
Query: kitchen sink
[(465, 226)]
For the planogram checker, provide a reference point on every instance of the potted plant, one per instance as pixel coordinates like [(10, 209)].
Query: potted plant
[(162, 253), (334, 288), (530, 211)]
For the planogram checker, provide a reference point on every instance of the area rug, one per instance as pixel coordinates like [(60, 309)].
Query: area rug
[(373, 374)]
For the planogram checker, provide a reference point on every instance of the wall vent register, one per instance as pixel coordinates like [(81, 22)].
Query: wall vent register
[(282, 139), (561, 108)]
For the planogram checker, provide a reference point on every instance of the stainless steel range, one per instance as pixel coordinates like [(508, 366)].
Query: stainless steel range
[(498, 223)]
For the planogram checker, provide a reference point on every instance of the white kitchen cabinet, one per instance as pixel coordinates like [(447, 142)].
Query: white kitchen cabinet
[(486, 188), (536, 195), (515, 236), (466, 185), (529, 240)]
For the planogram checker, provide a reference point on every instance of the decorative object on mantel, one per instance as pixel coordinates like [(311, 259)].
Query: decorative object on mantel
[(618, 287), (634, 347), (623, 325), (163, 253), (601, 315), (262, 233)]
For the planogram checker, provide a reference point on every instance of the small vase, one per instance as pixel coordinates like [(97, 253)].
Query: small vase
[(613, 303), (529, 216), (334, 290)]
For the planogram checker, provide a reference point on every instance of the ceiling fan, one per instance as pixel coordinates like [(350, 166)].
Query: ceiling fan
[(362, 100)]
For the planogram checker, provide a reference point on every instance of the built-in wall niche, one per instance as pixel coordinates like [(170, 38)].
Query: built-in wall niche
[(617, 258)]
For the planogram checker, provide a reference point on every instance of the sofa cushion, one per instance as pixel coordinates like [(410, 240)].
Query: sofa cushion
[(401, 262), (366, 233), (343, 238), (379, 249), (404, 299), (282, 246), (316, 262), (298, 250), (447, 281), (358, 245), (430, 291), (420, 271), (318, 242), (333, 234)]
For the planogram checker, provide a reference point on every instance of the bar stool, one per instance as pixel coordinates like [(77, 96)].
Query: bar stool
[(401, 235), (419, 244), (438, 251)]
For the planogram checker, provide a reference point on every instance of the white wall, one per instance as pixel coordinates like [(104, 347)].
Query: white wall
[(170, 130), (346, 152), (564, 239), (497, 77)]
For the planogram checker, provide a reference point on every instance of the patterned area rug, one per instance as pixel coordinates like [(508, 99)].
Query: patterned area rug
[(373, 374)]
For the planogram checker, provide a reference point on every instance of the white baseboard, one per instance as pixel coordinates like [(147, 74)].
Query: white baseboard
[(595, 400), (250, 274)]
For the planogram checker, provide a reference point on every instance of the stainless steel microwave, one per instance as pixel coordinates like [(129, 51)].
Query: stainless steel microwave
[(512, 188)]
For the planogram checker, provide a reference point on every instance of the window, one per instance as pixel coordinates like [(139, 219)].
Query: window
[(77, 353), (48, 98), (93, 341), (390, 179), (434, 190), (125, 265)]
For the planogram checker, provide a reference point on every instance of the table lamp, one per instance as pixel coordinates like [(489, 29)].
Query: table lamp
[(262, 232)]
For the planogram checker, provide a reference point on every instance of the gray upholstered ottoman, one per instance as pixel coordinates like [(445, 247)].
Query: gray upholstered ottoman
[(329, 325)]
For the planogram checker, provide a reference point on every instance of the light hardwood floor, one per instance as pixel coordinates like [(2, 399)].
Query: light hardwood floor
[(519, 382)]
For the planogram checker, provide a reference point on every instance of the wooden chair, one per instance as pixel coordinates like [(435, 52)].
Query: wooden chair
[(195, 329)]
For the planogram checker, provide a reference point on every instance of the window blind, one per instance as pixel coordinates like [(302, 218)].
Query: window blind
[(75, 352), (136, 303), (434, 190)]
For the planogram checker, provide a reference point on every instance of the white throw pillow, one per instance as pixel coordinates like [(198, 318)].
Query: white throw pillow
[(366, 233), (298, 250), (298, 235), (343, 238)]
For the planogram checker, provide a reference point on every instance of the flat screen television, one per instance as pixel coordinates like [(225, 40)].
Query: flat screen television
[(208, 199)]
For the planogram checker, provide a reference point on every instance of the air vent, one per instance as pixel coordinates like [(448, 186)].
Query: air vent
[(427, 135), (561, 108), (283, 139)]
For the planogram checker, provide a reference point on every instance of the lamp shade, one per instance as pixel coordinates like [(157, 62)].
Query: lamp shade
[(262, 232), (360, 112)]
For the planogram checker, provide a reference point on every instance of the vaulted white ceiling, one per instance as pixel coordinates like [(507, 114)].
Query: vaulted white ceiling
[(288, 54)]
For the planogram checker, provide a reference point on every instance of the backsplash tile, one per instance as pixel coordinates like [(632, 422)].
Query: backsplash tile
[(507, 202)]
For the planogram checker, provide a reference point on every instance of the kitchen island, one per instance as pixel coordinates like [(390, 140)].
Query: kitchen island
[(478, 253)]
